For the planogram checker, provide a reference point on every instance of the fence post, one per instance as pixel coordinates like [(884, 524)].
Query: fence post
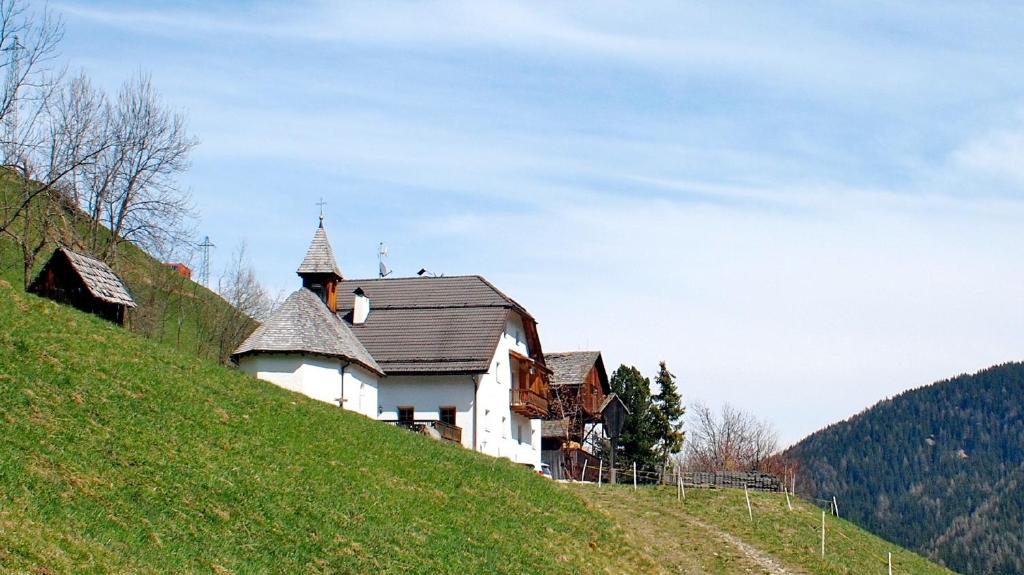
[(750, 510), (634, 476), (835, 504), (682, 486), (822, 533), (890, 563), (583, 476), (788, 504), (600, 471)]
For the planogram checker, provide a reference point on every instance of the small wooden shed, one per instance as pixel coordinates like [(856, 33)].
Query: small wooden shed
[(83, 282)]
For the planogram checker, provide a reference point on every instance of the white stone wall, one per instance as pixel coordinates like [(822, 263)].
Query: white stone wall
[(316, 377)]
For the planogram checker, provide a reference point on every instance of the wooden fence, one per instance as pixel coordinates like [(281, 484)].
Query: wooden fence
[(751, 480)]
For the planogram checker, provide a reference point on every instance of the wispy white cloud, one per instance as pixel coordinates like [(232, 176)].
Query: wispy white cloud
[(995, 153), (782, 202)]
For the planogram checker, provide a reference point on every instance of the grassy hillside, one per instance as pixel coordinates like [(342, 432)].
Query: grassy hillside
[(172, 309), (939, 469), (711, 532), (121, 455)]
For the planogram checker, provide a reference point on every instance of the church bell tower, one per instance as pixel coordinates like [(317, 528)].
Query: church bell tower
[(319, 272)]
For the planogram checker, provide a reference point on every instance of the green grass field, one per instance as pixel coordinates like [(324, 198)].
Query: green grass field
[(693, 535), (122, 455)]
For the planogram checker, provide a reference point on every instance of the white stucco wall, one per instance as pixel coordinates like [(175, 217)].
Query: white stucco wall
[(361, 390), (499, 427), (316, 377), (426, 394)]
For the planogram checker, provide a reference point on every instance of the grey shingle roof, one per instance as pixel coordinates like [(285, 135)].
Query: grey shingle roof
[(572, 367), (320, 257), (431, 325), (303, 324), (99, 279), (554, 428)]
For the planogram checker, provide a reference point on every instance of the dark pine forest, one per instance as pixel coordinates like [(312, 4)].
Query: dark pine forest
[(939, 469)]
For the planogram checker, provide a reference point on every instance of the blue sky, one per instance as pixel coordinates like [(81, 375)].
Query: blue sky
[(803, 209)]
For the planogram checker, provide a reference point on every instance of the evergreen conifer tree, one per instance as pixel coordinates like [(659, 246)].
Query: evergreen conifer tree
[(639, 437), (668, 413)]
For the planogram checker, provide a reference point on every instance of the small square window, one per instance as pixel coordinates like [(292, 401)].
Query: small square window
[(447, 414), (406, 414)]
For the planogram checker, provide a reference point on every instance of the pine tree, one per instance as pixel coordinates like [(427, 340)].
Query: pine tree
[(639, 437), (668, 414)]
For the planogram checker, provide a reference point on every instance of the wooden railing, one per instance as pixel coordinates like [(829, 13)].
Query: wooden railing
[(528, 402), (446, 431)]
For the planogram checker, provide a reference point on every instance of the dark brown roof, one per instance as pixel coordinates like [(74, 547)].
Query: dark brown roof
[(320, 257), (98, 278), (303, 324), (431, 325)]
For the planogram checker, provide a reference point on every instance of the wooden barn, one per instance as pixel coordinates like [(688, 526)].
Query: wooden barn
[(85, 283), (580, 391)]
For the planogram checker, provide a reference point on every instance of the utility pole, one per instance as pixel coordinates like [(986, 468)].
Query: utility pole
[(204, 270), (11, 155)]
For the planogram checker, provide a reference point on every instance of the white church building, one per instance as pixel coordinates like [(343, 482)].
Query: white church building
[(452, 357)]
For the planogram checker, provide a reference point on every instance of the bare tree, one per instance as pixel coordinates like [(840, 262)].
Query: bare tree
[(250, 304), (730, 441), (135, 183), (28, 45)]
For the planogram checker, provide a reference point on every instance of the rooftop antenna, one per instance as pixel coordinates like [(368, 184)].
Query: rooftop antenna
[(204, 270), (382, 252), (424, 272), (322, 204)]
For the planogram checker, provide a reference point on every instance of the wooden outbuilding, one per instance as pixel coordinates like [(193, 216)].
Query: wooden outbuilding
[(580, 391), (85, 283)]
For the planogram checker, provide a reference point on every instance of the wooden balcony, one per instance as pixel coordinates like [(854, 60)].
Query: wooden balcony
[(529, 403), (445, 431)]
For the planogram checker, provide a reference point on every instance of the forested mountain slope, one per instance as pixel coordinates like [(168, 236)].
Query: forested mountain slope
[(938, 469)]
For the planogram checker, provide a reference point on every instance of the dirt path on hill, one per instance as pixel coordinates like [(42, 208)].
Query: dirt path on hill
[(683, 544), (770, 565)]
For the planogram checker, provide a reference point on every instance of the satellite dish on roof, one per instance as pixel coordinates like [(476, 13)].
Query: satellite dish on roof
[(382, 252)]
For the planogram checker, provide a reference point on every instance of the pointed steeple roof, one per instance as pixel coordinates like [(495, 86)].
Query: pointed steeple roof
[(320, 257)]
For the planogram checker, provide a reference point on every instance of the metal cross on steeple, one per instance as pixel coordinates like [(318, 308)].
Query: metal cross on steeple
[(321, 203)]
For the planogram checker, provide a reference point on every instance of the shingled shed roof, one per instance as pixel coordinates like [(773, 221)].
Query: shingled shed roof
[(431, 325), (98, 278), (320, 257), (303, 324), (555, 428), (572, 367)]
